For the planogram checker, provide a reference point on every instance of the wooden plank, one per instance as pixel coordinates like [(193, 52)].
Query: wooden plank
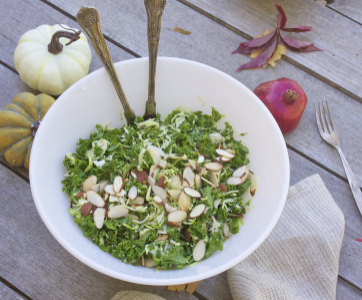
[(212, 44), (37, 13), (8, 294), (347, 291), (250, 18), (350, 8), (334, 31), (40, 266)]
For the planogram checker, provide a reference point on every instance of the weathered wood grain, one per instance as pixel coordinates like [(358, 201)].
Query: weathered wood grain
[(40, 266), (37, 13), (8, 294), (349, 8), (347, 291), (334, 66), (212, 44)]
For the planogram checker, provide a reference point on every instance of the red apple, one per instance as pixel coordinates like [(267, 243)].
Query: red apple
[(286, 101)]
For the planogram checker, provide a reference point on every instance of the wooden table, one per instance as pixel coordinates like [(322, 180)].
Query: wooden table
[(32, 263)]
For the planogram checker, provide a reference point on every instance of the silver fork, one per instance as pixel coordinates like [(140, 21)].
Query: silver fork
[(328, 132)]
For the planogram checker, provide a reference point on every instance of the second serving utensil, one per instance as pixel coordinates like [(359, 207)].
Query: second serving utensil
[(154, 10), (88, 19), (328, 131)]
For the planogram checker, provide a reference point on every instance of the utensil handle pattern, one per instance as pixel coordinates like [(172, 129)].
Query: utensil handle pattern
[(356, 191), (88, 19), (154, 10)]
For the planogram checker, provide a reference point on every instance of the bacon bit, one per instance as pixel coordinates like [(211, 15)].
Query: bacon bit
[(358, 240), (80, 194), (142, 176), (186, 235), (223, 188)]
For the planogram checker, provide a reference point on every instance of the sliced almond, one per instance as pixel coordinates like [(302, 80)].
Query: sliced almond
[(209, 182), (95, 199), (184, 202), (150, 180), (121, 193), (95, 188), (199, 251), (155, 156), (102, 185), (149, 262), (185, 183), (86, 209), (213, 166), (118, 184), (214, 179), (109, 189), (159, 192), (152, 170), (253, 185), (168, 208), (176, 217), (89, 183), (113, 198), (239, 172), (80, 194), (98, 217), (226, 230), (162, 183), (176, 182), (222, 159), (133, 192), (230, 151), (203, 171), (225, 153), (162, 163), (138, 201), (245, 176), (162, 237), (201, 159), (192, 164), (173, 224), (198, 182), (134, 217), (189, 175), (233, 181), (197, 211), (142, 176), (158, 200), (156, 149), (134, 174), (192, 193), (105, 196), (119, 211), (174, 193), (216, 137)]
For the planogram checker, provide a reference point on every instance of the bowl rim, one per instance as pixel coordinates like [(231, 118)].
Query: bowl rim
[(151, 281)]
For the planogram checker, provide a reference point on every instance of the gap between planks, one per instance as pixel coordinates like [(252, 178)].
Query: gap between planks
[(14, 289), (287, 59), (344, 15)]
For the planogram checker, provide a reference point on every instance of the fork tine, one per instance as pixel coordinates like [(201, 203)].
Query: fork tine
[(324, 126), (331, 117), (318, 119), (327, 122)]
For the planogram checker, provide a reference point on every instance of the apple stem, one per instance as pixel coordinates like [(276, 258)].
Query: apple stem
[(290, 96)]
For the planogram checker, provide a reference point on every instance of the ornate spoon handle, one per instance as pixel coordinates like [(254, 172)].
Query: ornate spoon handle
[(88, 19), (154, 10)]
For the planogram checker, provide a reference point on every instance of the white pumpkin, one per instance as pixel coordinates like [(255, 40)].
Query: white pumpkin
[(46, 72)]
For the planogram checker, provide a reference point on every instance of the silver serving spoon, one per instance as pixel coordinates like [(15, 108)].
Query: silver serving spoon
[(88, 19), (154, 10)]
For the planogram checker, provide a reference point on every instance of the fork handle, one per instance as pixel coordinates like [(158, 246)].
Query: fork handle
[(356, 191)]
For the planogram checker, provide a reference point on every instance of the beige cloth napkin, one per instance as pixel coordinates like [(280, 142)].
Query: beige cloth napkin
[(299, 259)]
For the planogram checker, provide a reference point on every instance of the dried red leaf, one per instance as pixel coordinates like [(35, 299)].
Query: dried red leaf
[(263, 57), (299, 46), (255, 44), (358, 240), (282, 19), (269, 43), (297, 29)]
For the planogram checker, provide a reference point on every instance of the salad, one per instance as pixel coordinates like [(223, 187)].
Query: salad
[(163, 194)]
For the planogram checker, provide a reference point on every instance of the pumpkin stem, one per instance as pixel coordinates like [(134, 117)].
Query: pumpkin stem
[(55, 46), (34, 128)]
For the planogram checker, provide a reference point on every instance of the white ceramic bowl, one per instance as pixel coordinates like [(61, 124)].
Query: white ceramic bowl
[(93, 100)]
